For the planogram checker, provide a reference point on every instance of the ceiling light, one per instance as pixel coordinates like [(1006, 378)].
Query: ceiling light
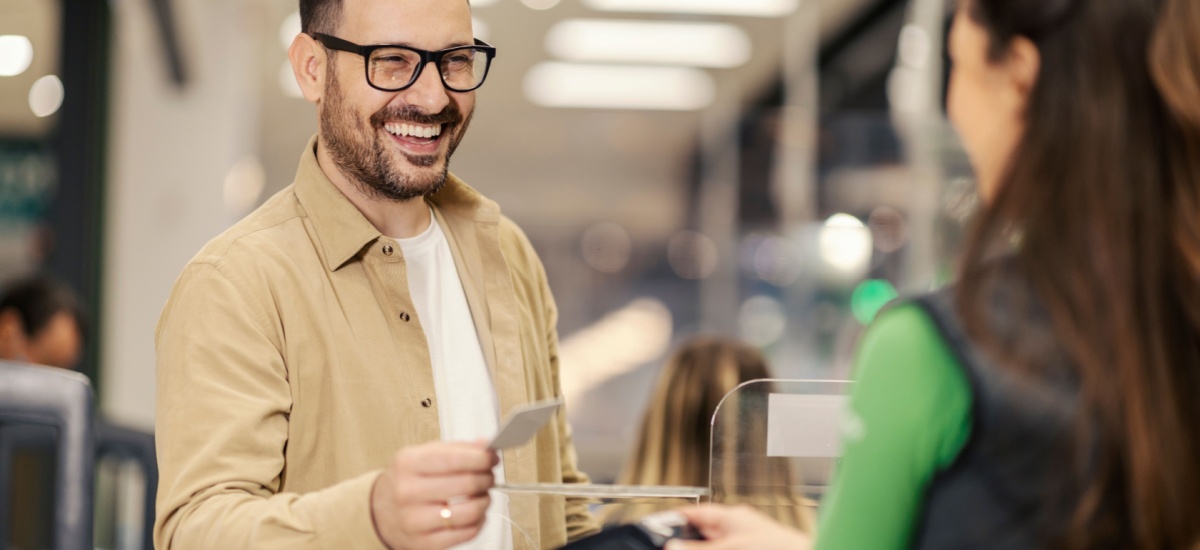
[(16, 53), (553, 84), (718, 45), (482, 3), (46, 96), (751, 8)]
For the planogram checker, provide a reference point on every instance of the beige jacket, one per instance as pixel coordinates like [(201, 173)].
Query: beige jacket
[(292, 366)]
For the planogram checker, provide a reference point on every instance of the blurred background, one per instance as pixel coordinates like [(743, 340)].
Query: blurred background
[(774, 170)]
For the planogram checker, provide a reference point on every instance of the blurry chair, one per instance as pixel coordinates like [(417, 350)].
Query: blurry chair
[(115, 442), (44, 396)]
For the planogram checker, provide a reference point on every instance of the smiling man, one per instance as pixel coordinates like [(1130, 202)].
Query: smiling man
[(330, 367)]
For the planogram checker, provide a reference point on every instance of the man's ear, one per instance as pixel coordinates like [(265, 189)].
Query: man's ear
[(1023, 63), (308, 64)]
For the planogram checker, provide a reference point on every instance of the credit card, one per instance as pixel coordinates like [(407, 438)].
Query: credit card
[(523, 423)]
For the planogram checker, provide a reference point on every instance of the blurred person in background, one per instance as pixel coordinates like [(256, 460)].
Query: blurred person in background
[(41, 322), (329, 367), (674, 445), (1048, 399)]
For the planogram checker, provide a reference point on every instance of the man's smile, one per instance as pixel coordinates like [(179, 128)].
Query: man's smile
[(421, 139)]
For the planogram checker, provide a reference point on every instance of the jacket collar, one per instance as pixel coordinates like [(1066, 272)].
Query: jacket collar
[(342, 231)]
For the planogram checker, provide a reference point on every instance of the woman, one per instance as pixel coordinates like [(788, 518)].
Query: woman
[(674, 443), (1050, 398)]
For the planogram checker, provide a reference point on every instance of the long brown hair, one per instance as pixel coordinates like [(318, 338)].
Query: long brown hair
[(1100, 212), (674, 443)]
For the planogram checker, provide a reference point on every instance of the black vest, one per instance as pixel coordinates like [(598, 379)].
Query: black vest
[(1009, 487)]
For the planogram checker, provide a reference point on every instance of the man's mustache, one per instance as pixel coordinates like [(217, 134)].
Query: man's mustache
[(448, 116)]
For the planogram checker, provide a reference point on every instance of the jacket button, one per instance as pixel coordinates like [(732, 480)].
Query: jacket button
[(387, 250), (404, 317), (427, 402)]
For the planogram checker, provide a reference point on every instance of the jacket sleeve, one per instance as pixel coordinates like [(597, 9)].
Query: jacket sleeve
[(222, 426)]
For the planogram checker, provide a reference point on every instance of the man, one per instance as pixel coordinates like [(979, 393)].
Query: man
[(40, 322), (321, 363)]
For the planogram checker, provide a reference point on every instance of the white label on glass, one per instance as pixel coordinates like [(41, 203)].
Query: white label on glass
[(805, 425)]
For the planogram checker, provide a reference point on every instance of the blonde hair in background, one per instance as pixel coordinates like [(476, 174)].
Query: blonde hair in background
[(673, 447)]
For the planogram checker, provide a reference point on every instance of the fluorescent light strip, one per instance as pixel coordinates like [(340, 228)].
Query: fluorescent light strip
[(749, 8), (553, 84), (716, 45)]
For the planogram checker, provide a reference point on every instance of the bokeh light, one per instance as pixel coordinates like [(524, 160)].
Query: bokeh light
[(16, 54), (869, 297), (243, 185), (762, 320), (46, 96), (289, 28), (692, 255), (606, 247), (845, 245)]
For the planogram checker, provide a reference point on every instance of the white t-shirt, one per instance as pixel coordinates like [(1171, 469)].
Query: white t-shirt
[(466, 394)]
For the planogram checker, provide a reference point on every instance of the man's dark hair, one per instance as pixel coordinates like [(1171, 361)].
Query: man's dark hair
[(38, 299), (319, 15), (322, 15)]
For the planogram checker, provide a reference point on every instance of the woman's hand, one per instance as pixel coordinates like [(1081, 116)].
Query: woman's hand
[(738, 527)]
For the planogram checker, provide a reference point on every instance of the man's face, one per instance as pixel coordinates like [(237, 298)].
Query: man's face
[(377, 138), (57, 344)]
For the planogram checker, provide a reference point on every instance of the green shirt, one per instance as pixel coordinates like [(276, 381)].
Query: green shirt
[(910, 415)]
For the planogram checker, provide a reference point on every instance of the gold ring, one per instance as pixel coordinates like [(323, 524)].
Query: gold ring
[(446, 517)]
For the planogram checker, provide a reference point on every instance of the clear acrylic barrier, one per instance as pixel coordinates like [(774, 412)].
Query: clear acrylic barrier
[(775, 445), (527, 503)]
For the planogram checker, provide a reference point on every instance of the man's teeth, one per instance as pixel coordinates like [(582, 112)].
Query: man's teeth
[(413, 130)]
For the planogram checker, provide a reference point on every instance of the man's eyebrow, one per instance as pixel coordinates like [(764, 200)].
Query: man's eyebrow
[(410, 45)]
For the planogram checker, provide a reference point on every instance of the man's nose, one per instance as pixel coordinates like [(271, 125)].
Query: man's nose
[(428, 92)]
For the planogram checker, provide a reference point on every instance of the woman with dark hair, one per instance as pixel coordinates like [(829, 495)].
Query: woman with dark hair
[(1050, 398)]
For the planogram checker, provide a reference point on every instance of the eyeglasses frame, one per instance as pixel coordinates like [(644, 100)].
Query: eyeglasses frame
[(427, 57)]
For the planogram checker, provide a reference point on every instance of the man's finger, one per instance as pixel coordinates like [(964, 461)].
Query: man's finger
[(443, 488), (464, 514), (445, 458)]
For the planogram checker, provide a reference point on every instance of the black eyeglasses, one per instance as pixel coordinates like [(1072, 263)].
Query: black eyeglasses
[(391, 68)]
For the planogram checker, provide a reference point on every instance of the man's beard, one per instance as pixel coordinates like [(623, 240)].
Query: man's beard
[(360, 153)]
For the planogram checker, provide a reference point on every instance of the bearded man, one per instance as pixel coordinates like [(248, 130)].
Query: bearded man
[(330, 367)]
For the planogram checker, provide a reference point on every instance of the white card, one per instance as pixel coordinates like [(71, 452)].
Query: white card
[(524, 422)]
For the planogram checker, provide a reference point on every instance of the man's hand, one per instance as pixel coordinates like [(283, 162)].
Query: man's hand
[(433, 496), (737, 527)]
